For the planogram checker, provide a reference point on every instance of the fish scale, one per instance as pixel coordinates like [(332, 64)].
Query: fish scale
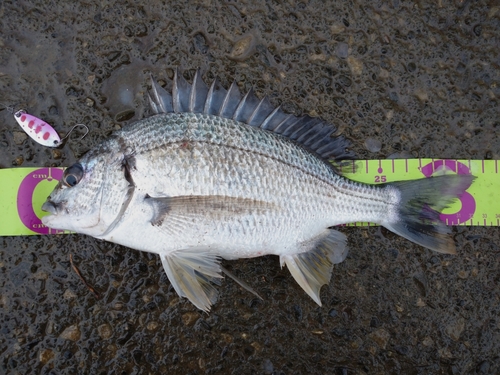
[(238, 179)]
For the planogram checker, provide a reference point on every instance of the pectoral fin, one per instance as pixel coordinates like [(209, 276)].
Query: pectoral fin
[(181, 210), (312, 268), (192, 273)]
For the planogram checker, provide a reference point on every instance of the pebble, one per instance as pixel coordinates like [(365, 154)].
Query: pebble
[(46, 355), (71, 333), (18, 161), (380, 337), (455, 329), (56, 154), (355, 65), (427, 342), (373, 144), (152, 326), (189, 318), (68, 294), (19, 137), (105, 331), (268, 366), (342, 50), (243, 48), (337, 28), (463, 274)]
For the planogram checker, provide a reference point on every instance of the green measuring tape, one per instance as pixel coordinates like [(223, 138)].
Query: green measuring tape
[(24, 190)]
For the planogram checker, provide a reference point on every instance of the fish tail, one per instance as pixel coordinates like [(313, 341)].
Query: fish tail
[(418, 205)]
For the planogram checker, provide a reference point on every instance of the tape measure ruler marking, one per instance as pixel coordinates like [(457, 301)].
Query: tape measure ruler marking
[(24, 190), (477, 206)]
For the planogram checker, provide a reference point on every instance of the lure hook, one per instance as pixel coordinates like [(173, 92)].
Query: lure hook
[(73, 128), (8, 108)]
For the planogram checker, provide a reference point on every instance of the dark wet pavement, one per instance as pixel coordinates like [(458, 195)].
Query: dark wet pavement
[(421, 79)]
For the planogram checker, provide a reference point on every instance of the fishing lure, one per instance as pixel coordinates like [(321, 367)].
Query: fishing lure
[(39, 130)]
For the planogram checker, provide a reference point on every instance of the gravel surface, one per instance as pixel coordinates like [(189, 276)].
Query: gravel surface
[(399, 78)]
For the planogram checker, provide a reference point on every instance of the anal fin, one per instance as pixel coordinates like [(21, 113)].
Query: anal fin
[(312, 267), (192, 273)]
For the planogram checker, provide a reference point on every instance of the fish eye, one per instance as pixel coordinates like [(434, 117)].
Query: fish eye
[(73, 175)]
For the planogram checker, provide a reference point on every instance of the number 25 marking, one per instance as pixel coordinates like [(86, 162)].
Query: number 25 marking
[(379, 179)]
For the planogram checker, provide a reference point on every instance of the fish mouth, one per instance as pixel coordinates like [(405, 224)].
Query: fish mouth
[(50, 207)]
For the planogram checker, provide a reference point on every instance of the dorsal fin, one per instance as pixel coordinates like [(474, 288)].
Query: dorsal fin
[(310, 132)]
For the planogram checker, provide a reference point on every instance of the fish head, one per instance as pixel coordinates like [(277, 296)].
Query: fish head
[(79, 201)]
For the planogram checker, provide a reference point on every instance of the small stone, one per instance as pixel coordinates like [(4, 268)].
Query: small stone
[(355, 65), (445, 353), (152, 326), (421, 95), (91, 79), (19, 137), (373, 144), (18, 161), (71, 333), (268, 366), (89, 102), (243, 48), (355, 344), (68, 294), (201, 363), (463, 274), (342, 50), (256, 346), (105, 331), (227, 338), (384, 74), (337, 28), (56, 154), (421, 303), (190, 318), (118, 305), (317, 57), (46, 355), (380, 337), (455, 329), (427, 342)]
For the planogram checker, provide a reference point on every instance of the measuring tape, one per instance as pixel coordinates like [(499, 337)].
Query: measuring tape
[(24, 190)]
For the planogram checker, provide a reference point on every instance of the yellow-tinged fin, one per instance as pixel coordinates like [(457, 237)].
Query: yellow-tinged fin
[(418, 208), (192, 273), (313, 268)]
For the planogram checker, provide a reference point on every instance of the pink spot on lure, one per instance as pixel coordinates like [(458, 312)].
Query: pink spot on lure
[(33, 127)]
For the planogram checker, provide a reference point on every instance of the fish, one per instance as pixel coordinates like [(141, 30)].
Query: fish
[(213, 174)]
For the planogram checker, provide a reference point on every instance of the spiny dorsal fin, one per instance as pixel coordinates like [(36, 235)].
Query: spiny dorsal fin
[(312, 133)]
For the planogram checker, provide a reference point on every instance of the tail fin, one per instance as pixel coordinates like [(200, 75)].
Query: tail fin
[(419, 206)]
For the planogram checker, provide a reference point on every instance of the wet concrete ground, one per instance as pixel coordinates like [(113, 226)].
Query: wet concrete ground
[(420, 77)]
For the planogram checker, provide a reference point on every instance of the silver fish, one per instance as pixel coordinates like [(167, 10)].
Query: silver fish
[(216, 175)]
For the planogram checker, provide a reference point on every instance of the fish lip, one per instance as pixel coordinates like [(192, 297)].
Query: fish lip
[(50, 207)]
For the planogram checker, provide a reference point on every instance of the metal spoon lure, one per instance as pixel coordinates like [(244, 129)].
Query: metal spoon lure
[(39, 130)]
